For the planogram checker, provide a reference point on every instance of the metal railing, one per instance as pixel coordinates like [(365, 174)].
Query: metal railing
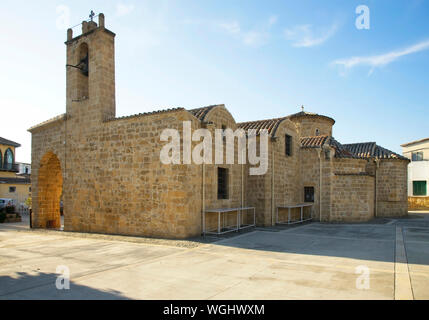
[(14, 167)]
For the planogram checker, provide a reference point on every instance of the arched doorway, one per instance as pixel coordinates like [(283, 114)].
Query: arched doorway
[(50, 186)]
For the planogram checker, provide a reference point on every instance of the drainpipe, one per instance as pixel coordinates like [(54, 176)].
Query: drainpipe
[(273, 139), (377, 165), (242, 185), (203, 207), (320, 184)]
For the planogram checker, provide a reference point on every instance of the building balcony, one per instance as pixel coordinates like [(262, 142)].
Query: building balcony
[(14, 167)]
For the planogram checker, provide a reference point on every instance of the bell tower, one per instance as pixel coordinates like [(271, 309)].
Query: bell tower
[(90, 77)]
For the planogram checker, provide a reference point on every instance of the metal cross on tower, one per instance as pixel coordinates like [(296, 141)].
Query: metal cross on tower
[(91, 15)]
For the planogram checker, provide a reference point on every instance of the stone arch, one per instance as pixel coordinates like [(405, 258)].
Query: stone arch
[(50, 186)]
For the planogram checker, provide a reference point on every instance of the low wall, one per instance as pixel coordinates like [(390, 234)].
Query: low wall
[(418, 203)]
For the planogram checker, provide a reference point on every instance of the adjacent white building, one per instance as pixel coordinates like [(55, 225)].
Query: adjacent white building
[(418, 169), (24, 168)]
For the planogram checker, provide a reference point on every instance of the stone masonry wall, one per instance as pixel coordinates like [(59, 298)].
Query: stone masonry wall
[(310, 176), (352, 198), (287, 185), (307, 126), (220, 117), (392, 188), (352, 191)]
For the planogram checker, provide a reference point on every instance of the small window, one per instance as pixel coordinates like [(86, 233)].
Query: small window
[(288, 145), (29, 189), (417, 156), (223, 132), (317, 132), (222, 183), (8, 159), (12, 189), (419, 188), (308, 194)]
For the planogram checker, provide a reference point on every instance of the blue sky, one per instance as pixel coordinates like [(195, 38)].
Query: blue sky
[(262, 59)]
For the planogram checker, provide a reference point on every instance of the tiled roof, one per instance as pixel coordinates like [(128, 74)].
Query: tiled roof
[(201, 113), (270, 124), (372, 150), (340, 150), (382, 153), (146, 114), (49, 121), (364, 150), (312, 142), (319, 141), (9, 142), (310, 114)]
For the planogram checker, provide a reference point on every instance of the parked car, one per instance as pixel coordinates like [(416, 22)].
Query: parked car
[(4, 202)]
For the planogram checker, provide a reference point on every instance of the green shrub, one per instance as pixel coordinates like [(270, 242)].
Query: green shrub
[(10, 209), (2, 216)]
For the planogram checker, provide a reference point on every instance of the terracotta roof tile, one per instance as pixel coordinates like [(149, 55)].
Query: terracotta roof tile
[(324, 140), (372, 150), (201, 113), (145, 114), (312, 142), (340, 150), (270, 124), (310, 114)]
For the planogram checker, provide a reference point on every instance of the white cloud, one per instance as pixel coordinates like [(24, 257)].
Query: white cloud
[(272, 20), (382, 59), (250, 37), (255, 38), (230, 27), (124, 9), (304, 36)]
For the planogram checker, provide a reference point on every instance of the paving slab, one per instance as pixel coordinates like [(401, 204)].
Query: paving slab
[(312, 261)]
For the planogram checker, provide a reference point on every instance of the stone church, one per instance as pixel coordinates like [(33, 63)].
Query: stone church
[(106, 170)]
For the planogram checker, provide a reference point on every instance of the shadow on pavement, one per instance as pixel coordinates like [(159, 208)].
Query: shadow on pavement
[(42, 286)]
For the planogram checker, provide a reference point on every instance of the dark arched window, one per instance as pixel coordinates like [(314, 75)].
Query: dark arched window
[(83, 73), (8, 159), (1, 159)]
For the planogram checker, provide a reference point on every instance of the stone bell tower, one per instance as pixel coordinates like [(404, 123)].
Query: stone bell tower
[(91, 72)]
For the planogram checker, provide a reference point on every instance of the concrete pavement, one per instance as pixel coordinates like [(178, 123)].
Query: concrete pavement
[(313, 261)]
